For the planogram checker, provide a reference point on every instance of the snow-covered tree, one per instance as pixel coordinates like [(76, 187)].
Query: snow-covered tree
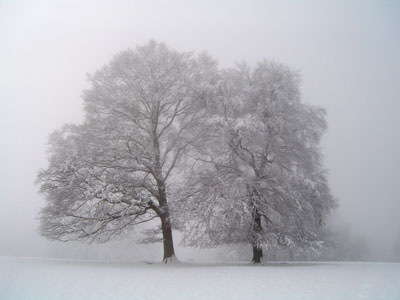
[(113, 171), (259, 177)]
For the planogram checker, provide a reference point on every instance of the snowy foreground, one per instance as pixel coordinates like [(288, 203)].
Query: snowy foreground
[(45, 279)]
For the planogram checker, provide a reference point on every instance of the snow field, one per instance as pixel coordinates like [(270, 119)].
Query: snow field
[(46, 279)]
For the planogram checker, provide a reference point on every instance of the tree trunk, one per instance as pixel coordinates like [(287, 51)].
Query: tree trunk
[(169, 252), (257, 254), (257, 248)]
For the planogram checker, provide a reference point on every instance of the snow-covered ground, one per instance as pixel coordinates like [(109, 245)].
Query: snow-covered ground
[(46, 279)]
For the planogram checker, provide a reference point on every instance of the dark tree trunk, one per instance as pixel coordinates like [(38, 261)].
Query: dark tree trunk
[(257, 248), (169, 252), (163, 212), (257, 254)]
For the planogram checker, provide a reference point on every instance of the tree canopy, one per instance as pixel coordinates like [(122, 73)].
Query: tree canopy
[(112, 172), (260, 178), (225, 155)]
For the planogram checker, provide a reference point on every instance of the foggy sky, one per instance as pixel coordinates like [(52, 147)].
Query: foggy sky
[(347, 53)]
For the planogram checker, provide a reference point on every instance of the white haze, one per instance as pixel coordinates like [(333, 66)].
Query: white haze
[(347, 52)]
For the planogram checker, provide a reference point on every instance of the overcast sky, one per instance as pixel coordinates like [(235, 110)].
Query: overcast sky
[(347, 52)]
